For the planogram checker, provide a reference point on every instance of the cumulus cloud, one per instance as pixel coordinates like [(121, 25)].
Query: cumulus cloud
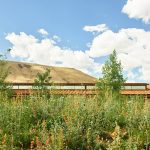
[(96, 29), (47, 52), (139, 9), (132, 46), (22, 41), (43, 32)]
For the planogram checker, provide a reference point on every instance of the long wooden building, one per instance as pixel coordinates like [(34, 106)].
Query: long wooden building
[(83, 89)]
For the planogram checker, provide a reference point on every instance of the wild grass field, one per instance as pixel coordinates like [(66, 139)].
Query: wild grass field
[(74, 123)]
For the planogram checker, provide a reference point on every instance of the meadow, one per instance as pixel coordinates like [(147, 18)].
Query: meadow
[(108, 122)]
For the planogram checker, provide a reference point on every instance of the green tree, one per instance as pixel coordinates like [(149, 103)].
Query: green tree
[(3, 72), (41, 82), (42, 79), (112, 74), (5, 88)]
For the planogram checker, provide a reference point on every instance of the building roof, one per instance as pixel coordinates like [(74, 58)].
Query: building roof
[(135, 84), (20, 72)]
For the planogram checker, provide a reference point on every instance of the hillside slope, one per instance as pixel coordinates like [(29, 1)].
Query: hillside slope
[(20, 72)]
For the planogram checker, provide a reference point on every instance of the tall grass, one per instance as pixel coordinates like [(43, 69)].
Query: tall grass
[(74, 123)]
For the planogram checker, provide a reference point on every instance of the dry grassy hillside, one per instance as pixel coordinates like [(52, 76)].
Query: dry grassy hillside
[(20, 72)]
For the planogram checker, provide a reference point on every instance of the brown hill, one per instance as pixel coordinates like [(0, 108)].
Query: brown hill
[(20, 72)]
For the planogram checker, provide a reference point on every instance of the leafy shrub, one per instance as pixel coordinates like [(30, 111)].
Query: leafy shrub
[(74, 122)]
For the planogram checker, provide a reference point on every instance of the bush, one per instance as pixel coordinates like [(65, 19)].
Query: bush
[(74, 122)]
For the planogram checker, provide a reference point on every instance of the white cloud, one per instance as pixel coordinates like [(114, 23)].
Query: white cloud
[(22, 41), (139, 9), (132, 46), (96, 29), (43, 32), (47, 52)]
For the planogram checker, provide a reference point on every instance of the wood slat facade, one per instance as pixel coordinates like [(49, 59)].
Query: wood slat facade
[(86, 90)]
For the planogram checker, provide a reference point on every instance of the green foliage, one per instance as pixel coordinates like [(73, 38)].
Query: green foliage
[(74, 122), (5, 89), (42, 79), (41, 82), (3, 71), (112, 74)]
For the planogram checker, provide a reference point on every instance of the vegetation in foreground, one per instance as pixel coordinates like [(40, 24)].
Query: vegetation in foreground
[(74, 122), (107, 121)]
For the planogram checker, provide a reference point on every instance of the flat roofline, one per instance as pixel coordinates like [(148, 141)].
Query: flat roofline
[(59, 84), (77, 84), (135, 84)]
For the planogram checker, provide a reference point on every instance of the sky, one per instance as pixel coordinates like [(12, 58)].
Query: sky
[(79, 34)]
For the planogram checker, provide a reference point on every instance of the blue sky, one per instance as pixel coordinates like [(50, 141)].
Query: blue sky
[(64, 20)]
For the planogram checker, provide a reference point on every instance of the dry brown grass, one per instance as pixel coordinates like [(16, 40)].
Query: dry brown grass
[(26, 73)]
